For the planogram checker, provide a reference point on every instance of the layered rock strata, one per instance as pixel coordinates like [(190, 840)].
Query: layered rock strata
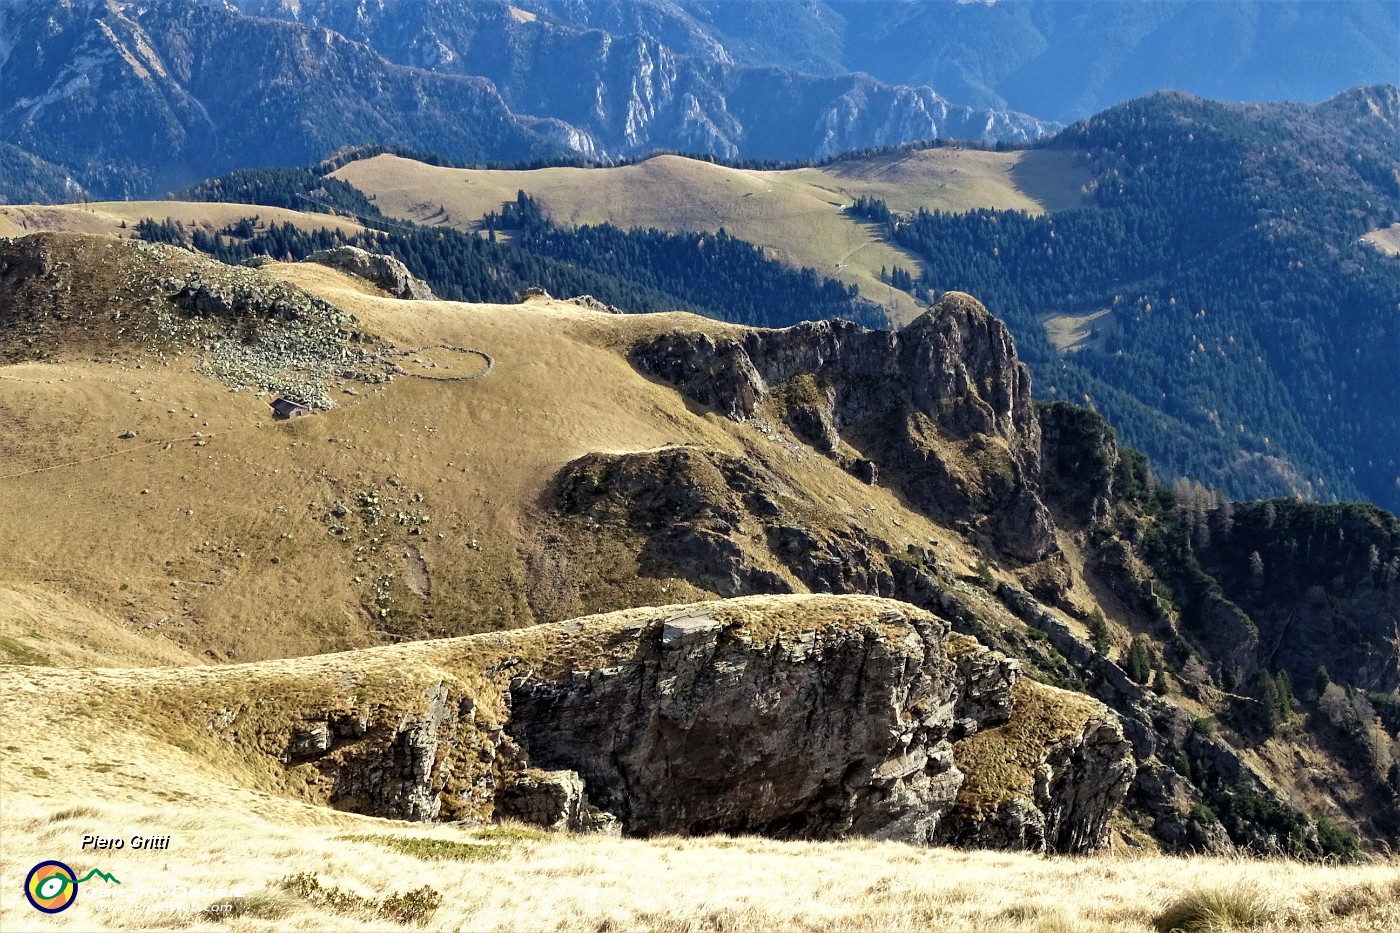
[(941, 410), (798, 716)]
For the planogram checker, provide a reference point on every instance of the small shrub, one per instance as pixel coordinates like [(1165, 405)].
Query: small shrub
[(983, 572), (1202, 911), (1160, 685), (1387, 707), (1138, 664), (1321, 679), (307, 886), (1098, 631), (1335, 841), (411, 907)]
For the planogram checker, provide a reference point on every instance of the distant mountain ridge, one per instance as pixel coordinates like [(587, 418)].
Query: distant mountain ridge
[(1062, 60), (1234, 325), (137, 99)]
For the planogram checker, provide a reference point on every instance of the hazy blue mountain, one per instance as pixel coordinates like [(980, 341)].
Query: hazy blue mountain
[(1071, 58), (139, 98), (134, 99), (25, 178), (1058, 60), (634, 76)]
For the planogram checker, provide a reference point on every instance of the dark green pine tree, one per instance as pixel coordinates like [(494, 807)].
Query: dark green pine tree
[(1139, 661)]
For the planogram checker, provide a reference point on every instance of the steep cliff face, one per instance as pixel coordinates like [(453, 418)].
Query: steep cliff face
[(1079, 455), (815, 734), (941, 409), (805, 717)]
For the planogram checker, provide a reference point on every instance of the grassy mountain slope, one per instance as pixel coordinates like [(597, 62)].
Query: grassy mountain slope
[(241, 845), (443, 440), (418, 508), (1386, 239), (795, 213), (1191, 268), (117, 218)]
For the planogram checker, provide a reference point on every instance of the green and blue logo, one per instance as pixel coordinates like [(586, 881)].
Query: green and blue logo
[(52, 886)]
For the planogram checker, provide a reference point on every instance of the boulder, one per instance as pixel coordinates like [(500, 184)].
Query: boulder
[(553, 799), (384, 271)]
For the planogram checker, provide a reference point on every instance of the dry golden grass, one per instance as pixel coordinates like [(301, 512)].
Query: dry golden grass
[(45, 628), (1000, 762), (565, 882), (189, 562), (1070, 332), (107, 217), (1386, 239), (110, 752), (86, 567), (796, 214)]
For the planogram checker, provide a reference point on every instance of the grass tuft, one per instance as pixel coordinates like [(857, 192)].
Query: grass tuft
[(79, 812), (511, 834), (433, 849), (255, 907), (13, 651), (1241, 908)]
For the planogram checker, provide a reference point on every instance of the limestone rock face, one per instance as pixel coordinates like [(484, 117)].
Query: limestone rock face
[(553, 799), (820, 734), (791, 716), (941, 409), (406, 778), (1081, 783), (385, 271)]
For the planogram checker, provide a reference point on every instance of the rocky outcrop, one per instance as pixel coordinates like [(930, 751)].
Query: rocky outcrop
[(408, 776), (384, 271), (1079, 453), (1076, 787), (553, 799), (1081, 782), (845, 729), (1048, 782), (797, 716), (717, 521), (941, 409), (243, 326)]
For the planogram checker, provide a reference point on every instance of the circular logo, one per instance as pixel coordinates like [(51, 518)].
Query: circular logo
[(51, 887)]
